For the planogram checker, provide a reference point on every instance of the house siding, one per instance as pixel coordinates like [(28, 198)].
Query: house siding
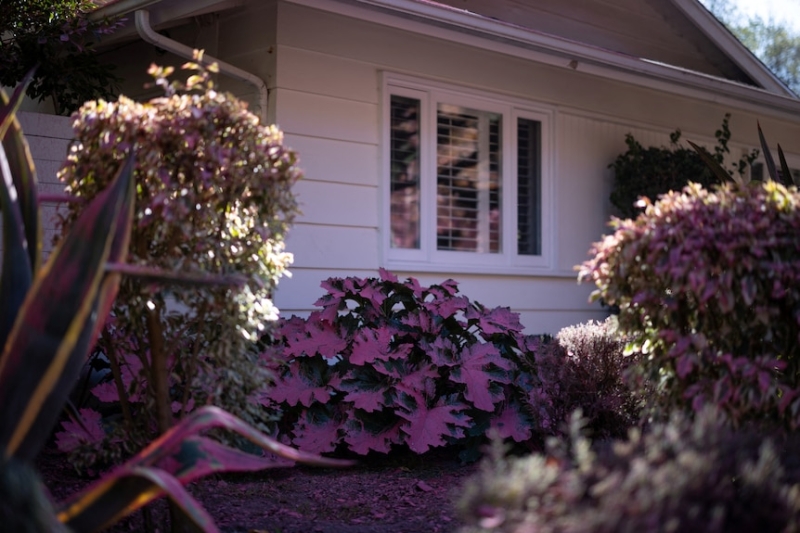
[(48, 137), (327, 99), (324, 72)]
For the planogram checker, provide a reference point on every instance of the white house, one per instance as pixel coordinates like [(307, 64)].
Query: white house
[(464, 139)]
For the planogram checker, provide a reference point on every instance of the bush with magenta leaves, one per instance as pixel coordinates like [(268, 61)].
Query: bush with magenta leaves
[(708, 283), (390, 364)]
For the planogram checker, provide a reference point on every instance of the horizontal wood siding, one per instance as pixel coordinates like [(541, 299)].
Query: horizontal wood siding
[(48, 137), (327, 99), (324, 72)]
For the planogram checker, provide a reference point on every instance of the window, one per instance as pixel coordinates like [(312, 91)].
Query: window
[(467, 179)]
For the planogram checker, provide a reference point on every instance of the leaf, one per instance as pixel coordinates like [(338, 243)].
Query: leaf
[(23, 173), (312, 437), (361, 439), (17, 270), (130, 368), (770, 162), (510, 423), (366, 388), (60, 318), (200, 456), (720, 173), (788, 177), (446, 307), (11, 105), (428, 428), (208, 417), (190, 279), (303, 385), (76, 433), (123, 492), (371, 344), (368, 400), (385, 275), (442, 352), (473, 373), (321, 338), (416, 382), (497, 320)]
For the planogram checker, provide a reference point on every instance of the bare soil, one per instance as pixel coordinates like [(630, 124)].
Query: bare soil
[(410, 494)]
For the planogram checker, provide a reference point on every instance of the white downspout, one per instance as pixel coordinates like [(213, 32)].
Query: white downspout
[(148, 34)]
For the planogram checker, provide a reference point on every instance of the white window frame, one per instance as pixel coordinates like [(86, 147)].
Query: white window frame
[(428, 258)]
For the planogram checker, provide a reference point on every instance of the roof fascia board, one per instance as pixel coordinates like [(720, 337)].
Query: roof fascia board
[(724, 39), (165, 11), (467, 28)]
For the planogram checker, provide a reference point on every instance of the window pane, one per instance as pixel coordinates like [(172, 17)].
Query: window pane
[(404, 178), (529, 227), (468, 178)]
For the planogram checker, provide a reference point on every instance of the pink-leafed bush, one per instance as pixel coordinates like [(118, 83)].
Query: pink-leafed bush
[(214, 195), (390, 364), (708, 284)]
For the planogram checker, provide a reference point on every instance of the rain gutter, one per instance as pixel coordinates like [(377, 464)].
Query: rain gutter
[(149, 35)]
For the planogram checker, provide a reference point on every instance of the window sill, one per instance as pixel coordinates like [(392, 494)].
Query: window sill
[(492, 270)]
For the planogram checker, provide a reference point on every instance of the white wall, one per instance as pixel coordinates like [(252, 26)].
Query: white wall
[(48, 137), (327, 100), (324, 73)]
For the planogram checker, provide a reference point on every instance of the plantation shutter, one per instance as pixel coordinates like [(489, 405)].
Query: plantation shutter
[(405, 172), (468, 179), (529, 234)]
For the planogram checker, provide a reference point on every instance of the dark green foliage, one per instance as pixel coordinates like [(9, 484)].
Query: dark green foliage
[(651, 172), (677, 477), (56, 36)]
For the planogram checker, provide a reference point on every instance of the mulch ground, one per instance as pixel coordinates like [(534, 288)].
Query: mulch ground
[(412, 494)]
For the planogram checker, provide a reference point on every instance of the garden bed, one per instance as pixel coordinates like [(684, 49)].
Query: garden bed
[(413, 494)]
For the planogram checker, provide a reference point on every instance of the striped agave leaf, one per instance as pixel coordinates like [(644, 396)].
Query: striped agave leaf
[(19, 208), (57, 322), (178, 457)]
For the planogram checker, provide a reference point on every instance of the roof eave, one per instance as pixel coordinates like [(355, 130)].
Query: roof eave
[(736, 51), (422, 16)]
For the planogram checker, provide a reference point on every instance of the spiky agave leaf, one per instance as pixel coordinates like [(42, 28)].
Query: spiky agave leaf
[(715, 167), (19, 208), (788, 176), (58, 320), (182, 455), (772, 172)]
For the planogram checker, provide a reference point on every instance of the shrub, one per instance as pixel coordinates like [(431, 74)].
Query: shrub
[(390, 364), (213, 195), (586, 368), (707, 284), (48, 323), (677, 477), (651, 172)]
